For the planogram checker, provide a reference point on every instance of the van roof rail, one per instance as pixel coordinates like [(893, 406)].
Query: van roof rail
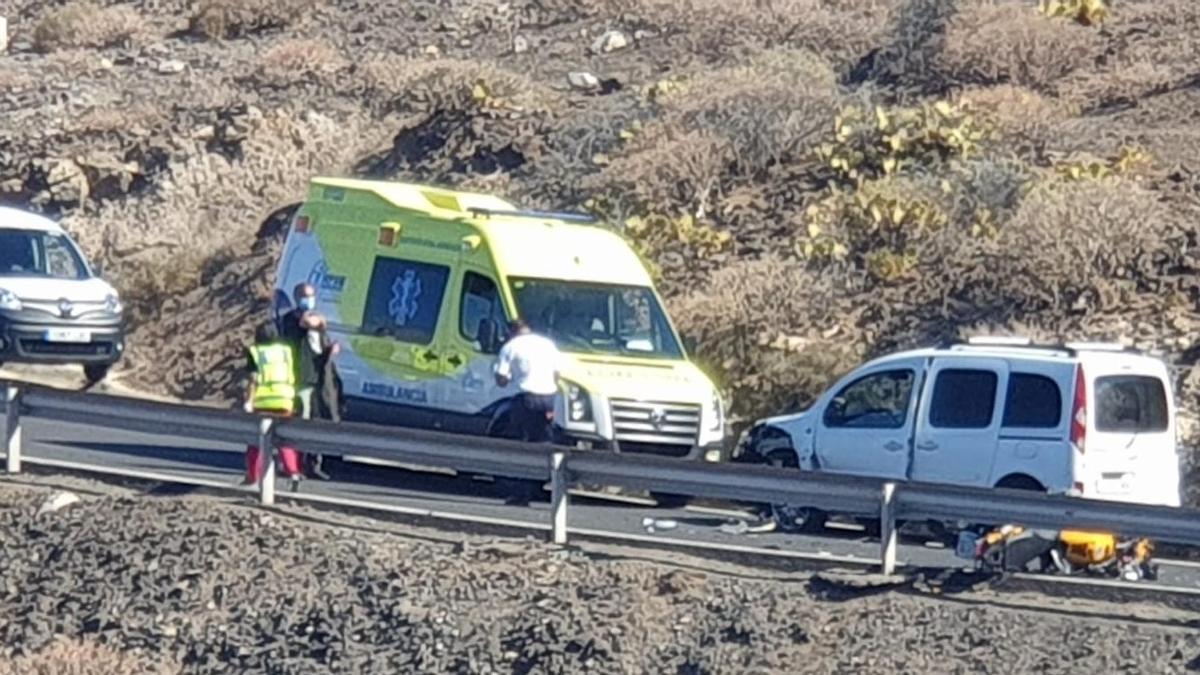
[(1069, 348), (541, 215)]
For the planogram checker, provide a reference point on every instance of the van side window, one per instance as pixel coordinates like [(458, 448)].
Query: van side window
[(1033, 402), (405, 299), (1130, 404), (963, 399), (480, 300), (875, 401)]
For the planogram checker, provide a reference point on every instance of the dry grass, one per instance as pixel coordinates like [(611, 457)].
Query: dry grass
[(85, 657), (86, 24), (1009, 42), (224, 19), (296, 60), (1025, 123), (420, 85)]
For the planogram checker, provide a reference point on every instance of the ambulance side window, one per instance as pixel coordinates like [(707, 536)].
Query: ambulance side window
[(405, 299), (480, 301)]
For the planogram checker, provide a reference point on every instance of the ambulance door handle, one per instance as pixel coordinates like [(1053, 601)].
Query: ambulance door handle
[(454, 360), (430, 354)]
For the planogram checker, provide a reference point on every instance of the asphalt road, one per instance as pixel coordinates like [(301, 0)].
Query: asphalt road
[(217, 464)]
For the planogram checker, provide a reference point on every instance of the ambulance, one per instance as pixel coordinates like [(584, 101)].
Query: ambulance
[(418, 284)]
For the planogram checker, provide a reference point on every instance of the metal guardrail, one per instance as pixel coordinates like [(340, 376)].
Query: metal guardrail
[(565, 468)]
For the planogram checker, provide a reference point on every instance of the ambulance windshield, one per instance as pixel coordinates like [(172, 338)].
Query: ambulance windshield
[(597, 318)]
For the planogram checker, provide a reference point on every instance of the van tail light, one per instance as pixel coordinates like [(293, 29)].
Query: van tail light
[(302, 224), (1079, 412), (1078, 487)]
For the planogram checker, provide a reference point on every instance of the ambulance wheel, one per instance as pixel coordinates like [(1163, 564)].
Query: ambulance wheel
[(95, 372)]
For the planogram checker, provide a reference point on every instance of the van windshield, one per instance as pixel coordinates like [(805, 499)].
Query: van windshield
[(597, 318), (1130, 404), (26, 253)]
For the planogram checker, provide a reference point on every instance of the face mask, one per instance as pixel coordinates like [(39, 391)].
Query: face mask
[(309, 303)]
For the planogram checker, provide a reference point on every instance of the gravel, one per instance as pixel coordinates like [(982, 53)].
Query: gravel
[(199, 585)]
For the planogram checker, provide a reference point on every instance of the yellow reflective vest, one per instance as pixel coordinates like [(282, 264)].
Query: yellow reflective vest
[(274, 377)]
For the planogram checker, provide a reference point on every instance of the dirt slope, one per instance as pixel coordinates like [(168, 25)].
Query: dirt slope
[(170, 584), (815, 181)]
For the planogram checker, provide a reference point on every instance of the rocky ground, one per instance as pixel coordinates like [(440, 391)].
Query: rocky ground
[(131, 581)]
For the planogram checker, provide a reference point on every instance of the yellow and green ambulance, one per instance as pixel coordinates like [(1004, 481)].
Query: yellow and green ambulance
[(418, 284)]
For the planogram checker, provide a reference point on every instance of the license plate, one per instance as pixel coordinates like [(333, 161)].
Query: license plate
[(1116, 483), (966, 545), (68, 335)]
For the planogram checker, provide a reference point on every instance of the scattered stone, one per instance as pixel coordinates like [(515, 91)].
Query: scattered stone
[(583, 80), (3, 34), (520, 45), (171, 67), (433, 50), (610, 41), (57, 501)]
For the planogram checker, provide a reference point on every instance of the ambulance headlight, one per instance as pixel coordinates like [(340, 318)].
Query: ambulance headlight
[(9, 301), (578, 403), (112, 304)]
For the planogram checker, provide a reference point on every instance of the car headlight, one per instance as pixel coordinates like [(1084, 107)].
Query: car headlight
[(579, 403), (9, 301), (112, 304), (718, 417)]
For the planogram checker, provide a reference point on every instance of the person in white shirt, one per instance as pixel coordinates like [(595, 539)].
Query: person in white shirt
[(532, 363)]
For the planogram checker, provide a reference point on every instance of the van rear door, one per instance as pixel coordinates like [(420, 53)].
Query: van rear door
[(1129, 451)]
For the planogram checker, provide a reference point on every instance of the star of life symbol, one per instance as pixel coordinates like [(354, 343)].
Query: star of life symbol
[(406, 288)]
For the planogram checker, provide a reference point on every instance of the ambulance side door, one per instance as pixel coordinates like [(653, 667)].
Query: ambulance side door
[(398, 340), (470, 347)]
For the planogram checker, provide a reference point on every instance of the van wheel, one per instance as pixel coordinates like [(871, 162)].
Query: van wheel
[(793, 517), (670, 501), (94, 373), (1021, 482)]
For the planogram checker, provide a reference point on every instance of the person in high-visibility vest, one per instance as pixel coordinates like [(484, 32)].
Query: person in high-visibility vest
[(271, 390)]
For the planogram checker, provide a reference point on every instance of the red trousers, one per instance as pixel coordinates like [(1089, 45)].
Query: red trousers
[(289, 458)]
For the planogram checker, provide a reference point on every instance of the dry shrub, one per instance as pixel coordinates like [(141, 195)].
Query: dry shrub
[(772, 107), (997, 42), (1117, 84), (1025, 123), (672, 174), (218, 19), (86, 24), (839, 31), (293, 61), (85, 657), (1068, 248), (733, 122), (110, 120), (418, 85), (774, 333), (916, 31)]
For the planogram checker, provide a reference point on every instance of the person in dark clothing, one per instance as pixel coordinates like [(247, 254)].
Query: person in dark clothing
[(295, 327), (317, 384)]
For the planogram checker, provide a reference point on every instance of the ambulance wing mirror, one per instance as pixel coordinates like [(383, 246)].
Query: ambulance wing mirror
[(489, 336), (689, 344)]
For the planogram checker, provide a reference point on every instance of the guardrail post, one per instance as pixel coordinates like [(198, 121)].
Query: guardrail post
[(558, 496), (887, 528), (266, 455), (12, 429)]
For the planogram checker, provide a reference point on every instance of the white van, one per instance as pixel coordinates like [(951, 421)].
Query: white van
[(1091, 420), (53, 307)]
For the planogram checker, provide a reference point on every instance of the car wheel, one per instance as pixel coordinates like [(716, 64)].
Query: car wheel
[(94, 373)]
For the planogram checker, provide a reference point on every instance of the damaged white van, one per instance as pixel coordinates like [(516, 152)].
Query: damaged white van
[(1086, 419)]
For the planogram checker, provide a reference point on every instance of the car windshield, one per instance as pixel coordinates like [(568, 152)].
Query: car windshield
[(597, 318), (26, 253)]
